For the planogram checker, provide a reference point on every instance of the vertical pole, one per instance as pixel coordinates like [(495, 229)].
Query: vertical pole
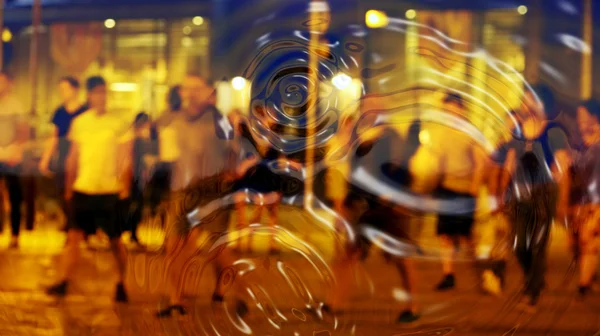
[(586, 61), (534, 46), (33, 79), (1, 32), (319, 18)]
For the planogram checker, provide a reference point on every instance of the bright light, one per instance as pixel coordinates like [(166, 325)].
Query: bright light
[(110, 23), (424, 137), (6, 35), (376, 19), (198, 20), (123, 87), (522, 9), (238, 83), (411, 14), (341, 81), (187, 30)]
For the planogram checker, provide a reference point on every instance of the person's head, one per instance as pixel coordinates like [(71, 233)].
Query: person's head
[(174, 98), (196, 93), (96, 92), (5, 82), (142, 124), (68, 89), (588, 120)]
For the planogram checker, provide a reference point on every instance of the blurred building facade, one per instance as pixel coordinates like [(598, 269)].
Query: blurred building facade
[(144, 46)]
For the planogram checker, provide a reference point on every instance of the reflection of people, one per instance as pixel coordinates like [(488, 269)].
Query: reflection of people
[(12, 141), (96, 180), (538, 187), (144, 157), (201, 168), (55, 155), (461, 177), (585, 198)]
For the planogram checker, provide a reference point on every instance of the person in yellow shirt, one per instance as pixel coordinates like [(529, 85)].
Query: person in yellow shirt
[(98, 173)]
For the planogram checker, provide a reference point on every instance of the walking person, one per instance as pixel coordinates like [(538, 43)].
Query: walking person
[(537, 165), (144, 158), (203, 172), (98, 167), (54, 157), (460, 177), (585, 197), (12, 143), (384, 155)]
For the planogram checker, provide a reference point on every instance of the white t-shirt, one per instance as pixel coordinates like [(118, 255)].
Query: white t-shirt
[(98, 138), (12, 115)]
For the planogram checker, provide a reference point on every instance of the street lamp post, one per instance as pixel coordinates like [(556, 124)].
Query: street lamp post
[(586, 61), (319, 19)]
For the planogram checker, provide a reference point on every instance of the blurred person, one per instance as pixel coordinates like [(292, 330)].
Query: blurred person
[(203, 171), (98, 170), (258, 179), (585, 196), (494, 234), (12, 143), (461, 176), (54, 157), (144, 158), (386, 155), (536, 167)]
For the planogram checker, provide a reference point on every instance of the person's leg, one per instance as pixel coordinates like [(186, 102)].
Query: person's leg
[(407, 274), (70, 256), (447, 252), (15, 195), (272, 211), (589, 242)]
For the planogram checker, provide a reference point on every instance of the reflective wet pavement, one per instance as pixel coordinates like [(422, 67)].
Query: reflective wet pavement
[(276, 308)]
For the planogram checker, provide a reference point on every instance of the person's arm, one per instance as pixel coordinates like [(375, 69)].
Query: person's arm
[(51, 144), (479, 172), (560, 173), (71, 169), (125, 166)]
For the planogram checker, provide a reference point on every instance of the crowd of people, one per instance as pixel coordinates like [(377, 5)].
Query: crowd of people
[(188, 161)]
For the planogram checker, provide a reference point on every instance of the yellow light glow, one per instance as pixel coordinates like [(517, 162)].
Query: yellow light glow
[(238, 83), (411, 14), (341, 81), (376, 19), (123, 87), (198, 20), (186, 41), (522, 9), (6, 35), (187, 30), (110, 23)]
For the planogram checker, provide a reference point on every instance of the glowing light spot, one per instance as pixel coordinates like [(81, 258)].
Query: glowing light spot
[(198, 20), (187, 30), (522, 9), (341, 81), (110, 23), (238, 83), (186, 42), (411, 14), (376, 19), (6, 35)]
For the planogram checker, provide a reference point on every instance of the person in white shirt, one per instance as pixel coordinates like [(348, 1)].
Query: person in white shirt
[(12, 141), (97, 177)]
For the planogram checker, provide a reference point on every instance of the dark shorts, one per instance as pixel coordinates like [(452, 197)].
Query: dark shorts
[(456, 224), (92, 212), (385, 219)]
